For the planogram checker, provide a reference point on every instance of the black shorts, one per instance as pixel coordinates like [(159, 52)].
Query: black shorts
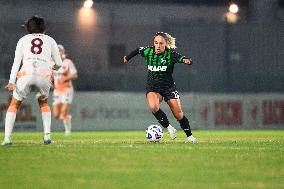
[(166, 93)]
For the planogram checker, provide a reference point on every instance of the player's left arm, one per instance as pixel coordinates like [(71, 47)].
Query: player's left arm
[(178, 58)]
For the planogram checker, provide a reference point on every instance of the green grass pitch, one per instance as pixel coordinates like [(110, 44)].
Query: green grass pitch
[(220, 159)]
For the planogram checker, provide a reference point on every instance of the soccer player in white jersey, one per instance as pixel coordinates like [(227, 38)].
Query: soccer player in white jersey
[(34, 52), (63, 90)]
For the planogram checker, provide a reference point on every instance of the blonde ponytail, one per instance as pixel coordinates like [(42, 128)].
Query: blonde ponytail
[(60, 47), (171, 41)]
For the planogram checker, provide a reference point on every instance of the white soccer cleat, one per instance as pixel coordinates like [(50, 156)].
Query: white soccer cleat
[(67, 133), (6, 142), (191, 139), (46, 138), (172, 132)]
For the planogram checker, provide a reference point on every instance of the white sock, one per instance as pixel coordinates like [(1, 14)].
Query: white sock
[(67, 124), (9, 123), (170, 127), (46, 120)]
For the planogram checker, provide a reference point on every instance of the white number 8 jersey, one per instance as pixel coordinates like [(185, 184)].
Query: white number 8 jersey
[(35, 51)]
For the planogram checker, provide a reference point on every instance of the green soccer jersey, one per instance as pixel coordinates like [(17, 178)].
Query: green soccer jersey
[(160, 64)]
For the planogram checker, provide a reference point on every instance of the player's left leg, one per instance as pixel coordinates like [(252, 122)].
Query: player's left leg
[(10, 119), (21, 91), (176, 109)]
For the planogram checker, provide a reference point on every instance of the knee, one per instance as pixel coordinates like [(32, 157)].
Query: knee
[(12, 108), (13, 105), (63, 114), (154, 107), (178, 115), (42, 103), (44, 107), (56, 116)]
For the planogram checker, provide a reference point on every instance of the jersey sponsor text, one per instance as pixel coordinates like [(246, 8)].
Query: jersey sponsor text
[(157, 68)]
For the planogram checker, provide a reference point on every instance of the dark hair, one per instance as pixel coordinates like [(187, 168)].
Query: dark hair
[(35, 24)]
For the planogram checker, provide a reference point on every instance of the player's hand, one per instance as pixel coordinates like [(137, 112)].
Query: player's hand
[(55, 67), (52, 85), (124, 60), (52, 77), (10, 86), (186, 61)]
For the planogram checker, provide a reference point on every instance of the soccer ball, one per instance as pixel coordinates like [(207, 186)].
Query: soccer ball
[(154, 133)]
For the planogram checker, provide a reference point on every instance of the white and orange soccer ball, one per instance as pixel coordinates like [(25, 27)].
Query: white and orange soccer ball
[(154, 133)]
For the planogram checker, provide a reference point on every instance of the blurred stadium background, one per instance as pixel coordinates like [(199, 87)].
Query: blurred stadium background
[(236, 81)]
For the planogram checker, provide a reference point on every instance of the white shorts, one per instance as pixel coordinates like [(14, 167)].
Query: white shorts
[(60, 97), (28, 83)]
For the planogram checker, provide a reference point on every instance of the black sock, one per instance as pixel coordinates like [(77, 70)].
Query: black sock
[(184, 124), (162, 118)]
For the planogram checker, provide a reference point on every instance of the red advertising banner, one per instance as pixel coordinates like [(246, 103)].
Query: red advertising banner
[(228, 113), (273, 112)]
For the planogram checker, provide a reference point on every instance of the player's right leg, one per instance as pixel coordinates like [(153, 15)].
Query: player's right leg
[(44, 85), (66, 117), (46, 119), (67, 99), (56, 105), (154, 99), (56, 109)]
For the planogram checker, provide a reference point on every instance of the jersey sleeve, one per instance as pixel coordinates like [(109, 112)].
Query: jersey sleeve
[(144, 51), (17, 61), (55, 55), (137, 51), (178, 58)]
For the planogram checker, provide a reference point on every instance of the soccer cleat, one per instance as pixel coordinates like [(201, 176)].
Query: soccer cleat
[(46, 139), (6, 142), (172, 132), (67, 133), (191, 139)]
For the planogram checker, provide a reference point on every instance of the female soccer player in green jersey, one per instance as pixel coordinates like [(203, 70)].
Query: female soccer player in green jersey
[(161, 59)]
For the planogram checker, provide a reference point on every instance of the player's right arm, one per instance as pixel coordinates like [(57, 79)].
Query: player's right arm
[(178, 58), (16, 65), (132, 54), (55, 55)]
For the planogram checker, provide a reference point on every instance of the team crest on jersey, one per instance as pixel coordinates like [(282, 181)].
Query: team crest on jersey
[(163, 61), (157, 68)]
